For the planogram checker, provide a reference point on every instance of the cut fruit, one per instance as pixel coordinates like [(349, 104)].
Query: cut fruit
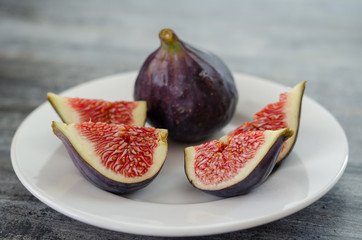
[(234, 165), (283, 114), (72, 110), (117, 158)]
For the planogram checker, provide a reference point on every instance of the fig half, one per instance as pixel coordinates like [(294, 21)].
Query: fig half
[(115, 157), (188, 91), (73, 110), (283, 114), (234, 165)]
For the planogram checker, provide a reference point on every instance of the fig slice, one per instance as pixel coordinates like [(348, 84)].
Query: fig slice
[(117, 158), (283, 114), (73, 110), (234, 165)]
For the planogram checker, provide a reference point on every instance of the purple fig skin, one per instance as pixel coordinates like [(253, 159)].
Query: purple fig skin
[(256, 177), (189, 92), (96, 178)]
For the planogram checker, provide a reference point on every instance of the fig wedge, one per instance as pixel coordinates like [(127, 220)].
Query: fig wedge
[(234, 165), (72, 110), (115, 157), (283, 114)]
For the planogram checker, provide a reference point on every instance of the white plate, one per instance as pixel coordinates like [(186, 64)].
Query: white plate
[(170, 206)]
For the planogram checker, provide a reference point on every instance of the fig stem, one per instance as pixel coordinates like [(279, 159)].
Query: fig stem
[(169, 41)]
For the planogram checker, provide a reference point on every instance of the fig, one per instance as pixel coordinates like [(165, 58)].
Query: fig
[(188, 91), (117, 158), (283, 114), (234, 165), (73, 110)]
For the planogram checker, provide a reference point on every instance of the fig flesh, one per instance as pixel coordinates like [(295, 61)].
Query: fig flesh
[(234, 165), (189, 92), (73, 110), (115, 157), (283, 114)]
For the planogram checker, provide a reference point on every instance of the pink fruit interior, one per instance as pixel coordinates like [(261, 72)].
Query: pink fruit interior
[(216, 161), (124, 149), (103, 111), (271, 117)]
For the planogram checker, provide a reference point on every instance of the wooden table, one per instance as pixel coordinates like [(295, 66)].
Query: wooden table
[(54, 45)]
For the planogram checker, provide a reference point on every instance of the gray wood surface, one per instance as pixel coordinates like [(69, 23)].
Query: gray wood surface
[(54, 45)]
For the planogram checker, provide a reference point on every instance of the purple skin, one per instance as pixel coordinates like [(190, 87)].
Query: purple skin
[(93, 176), (256, 177), (189, 92)]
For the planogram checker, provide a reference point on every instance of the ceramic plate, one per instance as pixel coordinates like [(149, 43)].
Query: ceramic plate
[(170, 206)]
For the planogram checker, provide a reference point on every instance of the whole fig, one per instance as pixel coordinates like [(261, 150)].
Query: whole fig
[(189, 92)]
